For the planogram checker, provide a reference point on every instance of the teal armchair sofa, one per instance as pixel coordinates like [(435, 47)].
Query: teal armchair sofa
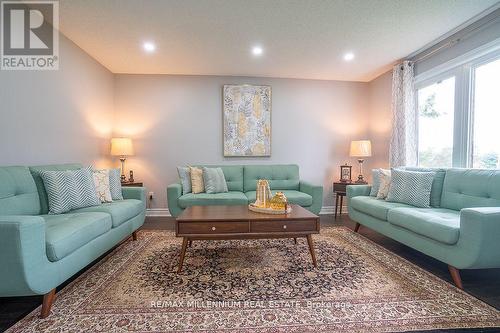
[(242, 183), (38, 251), (461, 229)]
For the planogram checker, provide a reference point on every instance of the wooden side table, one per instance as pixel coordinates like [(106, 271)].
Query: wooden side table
[(340, 189), (134, 183)]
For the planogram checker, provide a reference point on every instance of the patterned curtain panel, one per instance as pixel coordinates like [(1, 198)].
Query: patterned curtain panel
[(403, 147)]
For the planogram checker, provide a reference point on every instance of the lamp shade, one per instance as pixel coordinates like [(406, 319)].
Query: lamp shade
[(361, 148), (121, 147)]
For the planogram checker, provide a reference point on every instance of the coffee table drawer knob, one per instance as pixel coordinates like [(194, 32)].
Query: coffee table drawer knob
[(284, 227), (213, 228)]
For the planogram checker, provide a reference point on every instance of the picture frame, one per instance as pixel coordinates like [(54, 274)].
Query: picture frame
[(246, 120), (346, 173)]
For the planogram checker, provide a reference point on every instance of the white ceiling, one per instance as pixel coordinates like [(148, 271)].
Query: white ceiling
[(300, 38)]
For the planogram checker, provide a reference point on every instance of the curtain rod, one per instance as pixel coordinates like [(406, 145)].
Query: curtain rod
[(453, 41)]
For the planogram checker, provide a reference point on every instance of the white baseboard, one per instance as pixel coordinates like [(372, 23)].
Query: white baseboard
[(157, 212), (163, 212)]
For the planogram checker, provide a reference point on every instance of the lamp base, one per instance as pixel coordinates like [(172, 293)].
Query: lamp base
[(361, 180), (123, 179)]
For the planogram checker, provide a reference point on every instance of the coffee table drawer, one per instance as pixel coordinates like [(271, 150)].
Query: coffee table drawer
[(212, 227), (283, 226)]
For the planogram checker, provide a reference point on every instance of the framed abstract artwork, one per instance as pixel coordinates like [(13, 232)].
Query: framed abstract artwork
[(247, 120)]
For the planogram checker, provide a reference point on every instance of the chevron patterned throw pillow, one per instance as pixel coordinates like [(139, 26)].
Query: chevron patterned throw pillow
[(411, 187), (69, 189)]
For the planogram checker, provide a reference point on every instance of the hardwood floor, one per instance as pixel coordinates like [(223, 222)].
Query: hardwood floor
[(483, 284)]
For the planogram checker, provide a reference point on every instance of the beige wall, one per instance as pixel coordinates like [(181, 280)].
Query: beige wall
[(57, 116), (69, 115), (380, 118), (177, 120)]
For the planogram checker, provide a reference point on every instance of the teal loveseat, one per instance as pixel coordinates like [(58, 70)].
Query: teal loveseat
[(38, 251), (242, 183), (461, 229)]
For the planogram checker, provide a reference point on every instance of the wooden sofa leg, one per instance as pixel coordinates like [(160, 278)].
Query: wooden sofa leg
[(134, 235), (48, 299), (356, 227), (455, 275)]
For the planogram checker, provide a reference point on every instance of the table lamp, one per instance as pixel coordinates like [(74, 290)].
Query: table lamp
[(360, 149), (122, 147)]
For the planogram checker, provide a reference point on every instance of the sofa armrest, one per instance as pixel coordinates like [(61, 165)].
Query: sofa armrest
[(174, 192), (24, 267), (479, 235), (138, 193), (316, 191), (358, 190)]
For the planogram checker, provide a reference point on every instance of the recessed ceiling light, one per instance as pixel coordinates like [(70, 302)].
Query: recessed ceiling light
[(149, 47), (257, 51), (349, 56)]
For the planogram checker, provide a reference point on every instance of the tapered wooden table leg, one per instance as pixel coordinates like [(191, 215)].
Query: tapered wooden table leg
[(311, 249), (336, 204), (190, 243), (295, 240), (183, 252)]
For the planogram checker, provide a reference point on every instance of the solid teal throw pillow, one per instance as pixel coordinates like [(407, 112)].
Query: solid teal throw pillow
[(411, 187), (214, 180), (185, 176), (69, 189)]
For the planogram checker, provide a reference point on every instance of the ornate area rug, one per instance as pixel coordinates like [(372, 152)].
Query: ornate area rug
[(258, 286)]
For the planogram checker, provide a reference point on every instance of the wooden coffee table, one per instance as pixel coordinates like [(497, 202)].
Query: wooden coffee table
[(238, 222)]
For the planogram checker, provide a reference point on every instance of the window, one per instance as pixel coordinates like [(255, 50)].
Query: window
[(435, 123), (459, 111), (486, 116)]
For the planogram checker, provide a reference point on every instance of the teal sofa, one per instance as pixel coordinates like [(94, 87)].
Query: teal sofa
[(461, 229), (38, 251), (242, 183)]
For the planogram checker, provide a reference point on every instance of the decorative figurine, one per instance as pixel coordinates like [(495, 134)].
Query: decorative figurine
[(279, 201), (263, 195), (131, 178)]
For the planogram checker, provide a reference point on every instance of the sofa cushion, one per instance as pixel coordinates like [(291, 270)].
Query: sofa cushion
[(207, 199), (18, 192), (284, 177), (467, 188), (374, 207), (66, 233), (442, 225), (294, 197), (120, 210)]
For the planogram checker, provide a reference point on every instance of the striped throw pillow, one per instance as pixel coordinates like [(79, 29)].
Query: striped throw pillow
[(115, 184), (69, 189)]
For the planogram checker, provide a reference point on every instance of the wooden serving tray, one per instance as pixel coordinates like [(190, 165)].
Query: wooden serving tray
[(269, 210)]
